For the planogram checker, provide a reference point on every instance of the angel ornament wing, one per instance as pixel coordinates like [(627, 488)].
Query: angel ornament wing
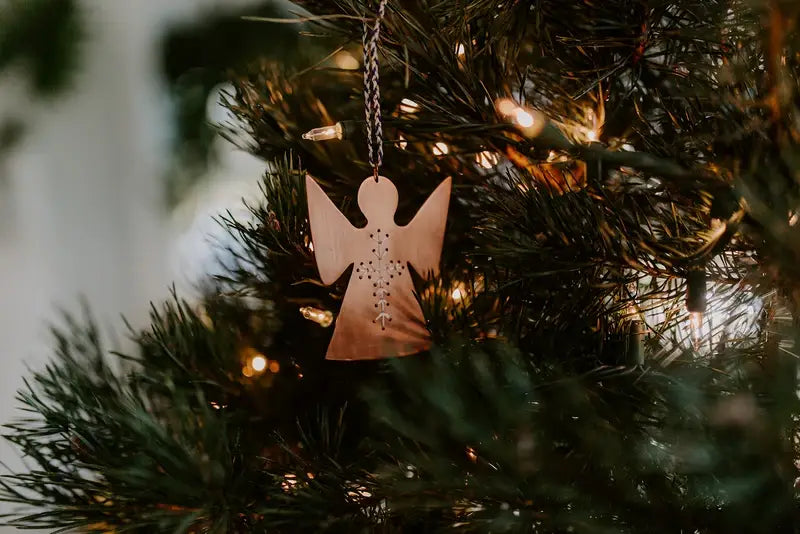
[(379, 317)]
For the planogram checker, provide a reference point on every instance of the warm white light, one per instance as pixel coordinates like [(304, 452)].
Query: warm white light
[(324, 133), (461, 49), (486, 159), (552, 156), (258, 363), (345, 60), (792, 218), (523, 118), (401, 141), (408, 106), (592, 136), (506, 106), (696, 326), (440, 149)]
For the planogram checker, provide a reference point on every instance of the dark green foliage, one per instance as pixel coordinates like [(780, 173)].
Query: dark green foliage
[(566, 258), (43, 36), (200, 55)]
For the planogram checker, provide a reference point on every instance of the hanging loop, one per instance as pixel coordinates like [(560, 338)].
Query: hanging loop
[(372, 93)]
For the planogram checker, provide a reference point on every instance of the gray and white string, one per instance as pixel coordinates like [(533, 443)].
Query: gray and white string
[(372, 92)]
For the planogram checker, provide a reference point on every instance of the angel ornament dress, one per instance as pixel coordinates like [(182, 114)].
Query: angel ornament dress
[(380, 316)]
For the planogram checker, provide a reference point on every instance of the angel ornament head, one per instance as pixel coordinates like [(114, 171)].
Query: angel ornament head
[(380, 316)]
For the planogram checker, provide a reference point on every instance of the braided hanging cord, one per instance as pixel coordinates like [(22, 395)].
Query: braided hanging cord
[(372, 93)]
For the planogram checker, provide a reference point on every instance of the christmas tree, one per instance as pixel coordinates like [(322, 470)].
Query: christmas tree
[(612, 326)]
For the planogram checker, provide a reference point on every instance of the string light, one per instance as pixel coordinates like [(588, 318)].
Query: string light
[(324, 318), (506, 106), (471, 454), (696, 302), (255, 363), (340, 130), (486, 159), (461, 50), (346, 61), (530, 120), (458, 293), (258, 363), (401, 141), (408, 106), (523, 118), (440, 149)]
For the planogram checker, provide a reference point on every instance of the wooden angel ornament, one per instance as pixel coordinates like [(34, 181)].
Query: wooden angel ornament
[(380, 316)]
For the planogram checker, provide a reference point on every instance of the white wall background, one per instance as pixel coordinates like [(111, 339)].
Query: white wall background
[(81, 213)]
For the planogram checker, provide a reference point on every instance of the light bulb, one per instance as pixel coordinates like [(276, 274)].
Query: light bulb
[(408, 106), (506, 106), (440, 149), (401, 141), (523, 118), (461, 50), (345, 60), (486, 159), (696, 328), (592, 136), (258, 363), (324, 318), (325, 133)]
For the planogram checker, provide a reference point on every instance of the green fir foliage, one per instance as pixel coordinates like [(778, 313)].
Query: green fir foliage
[(564, 392)]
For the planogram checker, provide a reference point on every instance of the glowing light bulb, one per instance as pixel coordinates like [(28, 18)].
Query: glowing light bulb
[(258, 363), (461, 50), (486, 159), (324, 318), (471, 454), (793, 217), (696, 327), (523, 118), (401, 141), (325, 133), (506, 106), (457, 295), (408, 106), (592, 136), (440, 149), (345, 60)]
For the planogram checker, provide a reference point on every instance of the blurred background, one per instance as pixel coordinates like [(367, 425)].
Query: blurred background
[(110, 166)]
